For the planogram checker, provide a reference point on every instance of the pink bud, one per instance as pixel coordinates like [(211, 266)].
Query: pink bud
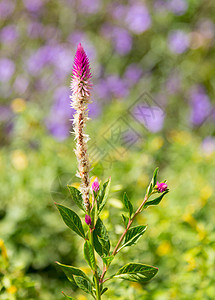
[(88, 220), (95, 185), (162, 187)]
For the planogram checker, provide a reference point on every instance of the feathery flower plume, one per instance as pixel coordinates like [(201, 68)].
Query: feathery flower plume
[(80, 86)]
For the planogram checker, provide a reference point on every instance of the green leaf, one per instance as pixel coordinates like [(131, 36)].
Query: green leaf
[(89, 255), (155, 201), (103, 195), (104, 290), (154, 178), (84, 284), (101, 239), (77, 197), (125, 220), (150, 188), (136, 272), (78, 278), (68, 297), (128, 204), (107, 259), (133, 234), (71, 219)]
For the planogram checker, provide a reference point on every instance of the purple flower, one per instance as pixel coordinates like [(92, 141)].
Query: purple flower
[(35, 30), (88, 220), (33, 5), (132, 74), (173, 83), (178, 41), (138, 19), (6, 8), (8, 34), (95, 185), (208, 145), (152, 117), (7, 69), (200, 105), (21, 84), (117, 86), (94, 109), (162, 187), (122, 40), (178, 7), (58, 120), (90, 7)]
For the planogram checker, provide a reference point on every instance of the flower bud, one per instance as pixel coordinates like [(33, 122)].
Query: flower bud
[(162, 187), (88, 220), (95, 185)]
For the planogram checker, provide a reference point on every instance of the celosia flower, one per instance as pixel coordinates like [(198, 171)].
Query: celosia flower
[(88, 220), (95, 185), (80, 98), (162, 187)]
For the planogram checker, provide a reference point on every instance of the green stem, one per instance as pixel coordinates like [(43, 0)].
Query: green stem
[(95, 273), (115, 251)]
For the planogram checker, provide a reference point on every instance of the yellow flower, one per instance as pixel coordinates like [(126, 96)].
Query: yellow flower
[(18, 105)]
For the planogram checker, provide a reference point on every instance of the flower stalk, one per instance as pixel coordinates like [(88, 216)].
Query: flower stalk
[(80, 86)]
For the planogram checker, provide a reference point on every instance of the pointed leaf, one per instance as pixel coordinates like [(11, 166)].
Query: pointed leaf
[(101, 239), (125, 220), (107, 259), (128, 204), (136, 272), (132, 235), (154, 178), (71, 219), (77, 197), (68, 297), (104, 290), (89, 255), (77, 277), (155, 201), (103, 195)]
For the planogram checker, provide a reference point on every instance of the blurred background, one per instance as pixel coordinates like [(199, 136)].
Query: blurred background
[(153, 105)]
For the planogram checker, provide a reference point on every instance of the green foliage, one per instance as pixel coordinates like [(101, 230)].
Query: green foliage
[(128, 204), (125, 220), (101, 239), (78, 278), (136, 272), (155, 201), (89, 255), (71, 219), (77, 197), (133, 235), (103, 195)]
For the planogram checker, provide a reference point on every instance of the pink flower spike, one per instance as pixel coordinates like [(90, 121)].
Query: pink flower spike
[(95, 185), (88, 220), (81, 67), (162, 187)]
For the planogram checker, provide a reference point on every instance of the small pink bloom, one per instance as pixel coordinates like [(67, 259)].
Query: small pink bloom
[(95, 185), (161, 187), (88, 220)]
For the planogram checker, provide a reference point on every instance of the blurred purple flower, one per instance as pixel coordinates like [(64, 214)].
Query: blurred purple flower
[(5, 113), (133, 74), (8, 34), (7, 69), (35, 29), (152, 117), (122, 40), (207, 28), (178, 41), (138, 19), (21, 84), (6, 8), (58, 122), (178, 7), (117, 86), (101, 89), (200, 105), (118, 11), (208, 145), (94, 109), (33, 5), (173, 83), (90, 7)]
